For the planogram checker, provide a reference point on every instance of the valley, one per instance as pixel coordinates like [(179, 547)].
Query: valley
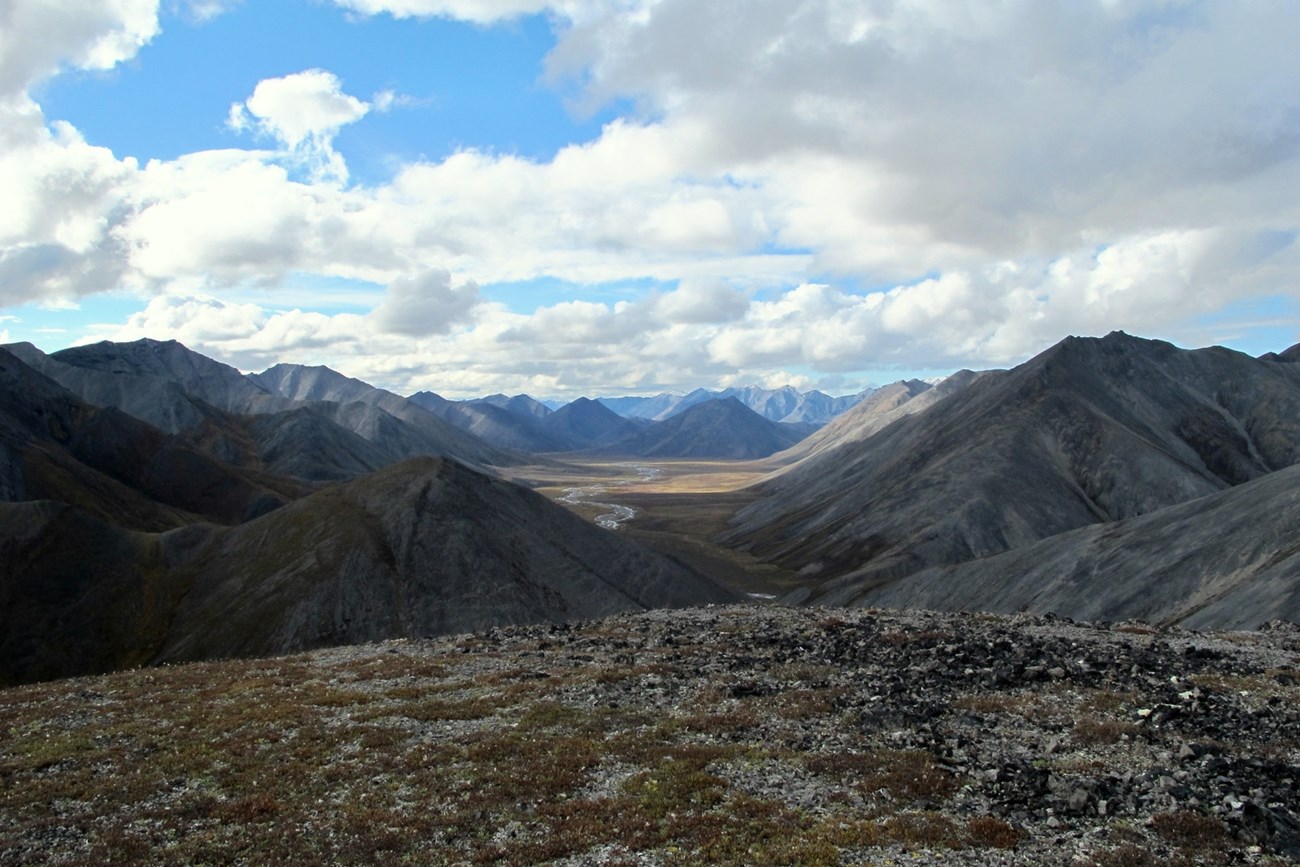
[(224, 513), (1001, 588), (675, 507), (649, 433)]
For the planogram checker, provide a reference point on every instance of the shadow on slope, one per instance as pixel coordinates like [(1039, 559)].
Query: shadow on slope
[(422, 548)]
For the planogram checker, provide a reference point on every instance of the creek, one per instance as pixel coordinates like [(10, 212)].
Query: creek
[(615, 514)]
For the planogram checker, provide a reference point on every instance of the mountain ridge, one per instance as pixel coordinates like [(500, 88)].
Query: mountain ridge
[(785, 404), (1089, 431), (424, 547)]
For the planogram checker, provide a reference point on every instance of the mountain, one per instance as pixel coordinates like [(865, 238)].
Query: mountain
[(1224, 561), (159, 382), (305, 443), (869, 415), (149, 380), (55, 446), (392, 422), (525, 425), (784, 404), (494, 424), (1289, 355), (1090, 431), (519, 404), (587, 424), (425, 547), (716, 428), (650, 408), (791, 406), (153, 380)]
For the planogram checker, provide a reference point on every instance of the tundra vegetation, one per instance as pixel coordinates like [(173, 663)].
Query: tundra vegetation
[(735, 735)]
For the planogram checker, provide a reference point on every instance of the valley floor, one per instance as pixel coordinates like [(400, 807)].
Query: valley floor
[(738, 735), (676, 507)]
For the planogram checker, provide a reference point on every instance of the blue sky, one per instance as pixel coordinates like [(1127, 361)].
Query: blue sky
[(465, 86), (572, 197)]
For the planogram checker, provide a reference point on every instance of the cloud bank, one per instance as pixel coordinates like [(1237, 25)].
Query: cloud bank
[(832, 187)]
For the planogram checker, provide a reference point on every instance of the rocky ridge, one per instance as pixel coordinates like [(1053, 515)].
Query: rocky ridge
[(734, 735)]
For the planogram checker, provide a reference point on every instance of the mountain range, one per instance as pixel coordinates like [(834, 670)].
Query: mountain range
[(714, 428), (157, 505), (705, 427), (122, 543), (1091, 433), (321, 426), (784, 404)]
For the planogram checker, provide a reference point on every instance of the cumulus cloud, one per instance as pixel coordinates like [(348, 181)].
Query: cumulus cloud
[(38, 37), (905, 137), (701, 301), (64, 201), (303, 111), (243, 334), (297, 107), (425, 304), (999, 175), (812, 333)]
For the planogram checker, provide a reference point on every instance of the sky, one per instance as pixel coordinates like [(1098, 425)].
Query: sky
[(565, 197)]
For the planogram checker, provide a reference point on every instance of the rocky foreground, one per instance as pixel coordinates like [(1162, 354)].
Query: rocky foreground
[(744, 735)]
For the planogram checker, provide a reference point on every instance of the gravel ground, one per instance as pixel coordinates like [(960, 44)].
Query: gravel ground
[(744, 735)]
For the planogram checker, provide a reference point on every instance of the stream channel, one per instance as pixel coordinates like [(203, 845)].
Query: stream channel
[(615, 515)]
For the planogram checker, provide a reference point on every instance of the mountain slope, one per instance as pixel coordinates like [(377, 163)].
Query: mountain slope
[(54, 446), (519, 404), (280, 436), (160, 382), (306, 443), (361, 408), (422, 548), (523, 424), (494, 424), (1090, 431), (791, 406), (866, 417), (1224, 561), (717, 428), (586, 424), (182, 391)]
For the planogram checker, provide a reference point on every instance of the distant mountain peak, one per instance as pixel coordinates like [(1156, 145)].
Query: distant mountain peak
[(783, 404), (720, 427)]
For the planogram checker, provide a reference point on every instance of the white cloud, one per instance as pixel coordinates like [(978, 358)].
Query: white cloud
[(1008, 173), (301, 106), (38, 37), (206, 10), (425, 304), (701, 301), (64, 199), (245, 335), (303, 111), (478, 11), (707, 332), (946, 134)]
